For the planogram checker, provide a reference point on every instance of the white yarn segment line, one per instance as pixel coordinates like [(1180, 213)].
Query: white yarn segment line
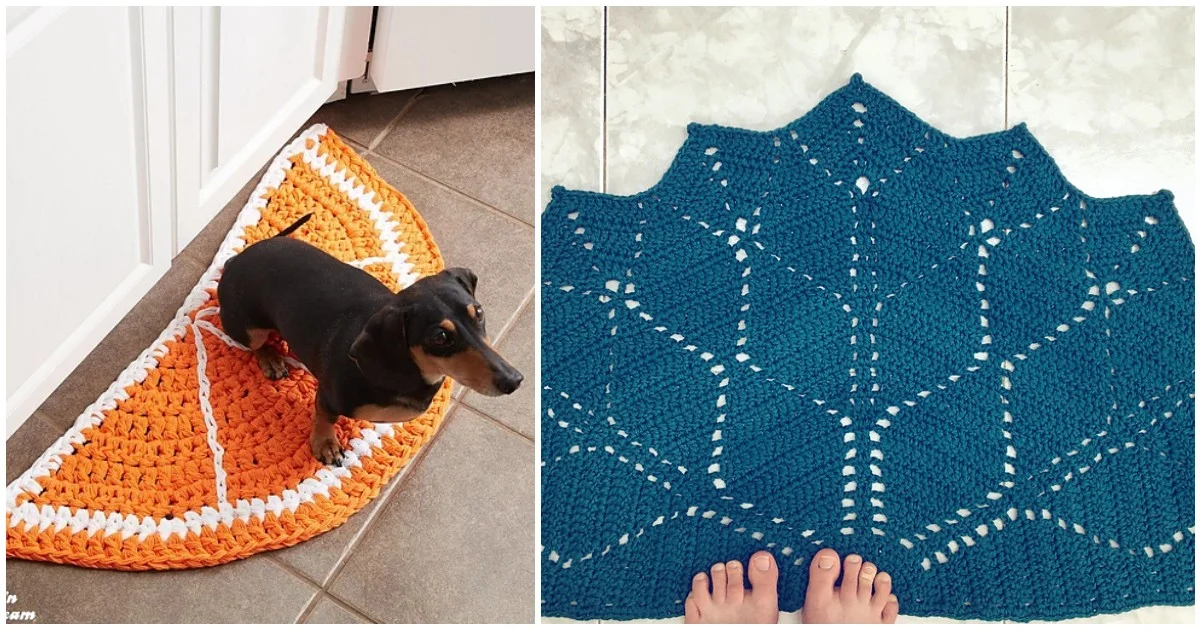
[(206, 408), (613, 428), (582, 449), (363, 198), (959, 543), (566, 561), (1106, 444), (225, 514)]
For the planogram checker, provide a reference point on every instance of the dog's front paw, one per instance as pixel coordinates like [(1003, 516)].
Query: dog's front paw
[(271, 363), (327, 450)]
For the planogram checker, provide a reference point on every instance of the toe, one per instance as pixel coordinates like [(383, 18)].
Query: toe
[(882, 590), (867, 576), (700, 590), (891, 609), (850, 577), (692, 614), (734, 583), (763, 574), (823, 572), (717, 575)]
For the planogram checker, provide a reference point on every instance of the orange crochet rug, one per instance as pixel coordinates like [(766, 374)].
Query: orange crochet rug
[(192, 457)]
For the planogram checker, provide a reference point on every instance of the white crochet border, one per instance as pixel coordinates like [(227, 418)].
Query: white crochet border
[(108, 523)]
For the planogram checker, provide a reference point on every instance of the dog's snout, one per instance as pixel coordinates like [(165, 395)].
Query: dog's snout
[(508, 381)]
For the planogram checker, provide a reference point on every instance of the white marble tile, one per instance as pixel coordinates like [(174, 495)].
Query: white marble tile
[(1109, 93), (763, 68), (572, 119)]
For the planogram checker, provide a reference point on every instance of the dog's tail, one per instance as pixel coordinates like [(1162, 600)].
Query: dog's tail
[(295, 226)]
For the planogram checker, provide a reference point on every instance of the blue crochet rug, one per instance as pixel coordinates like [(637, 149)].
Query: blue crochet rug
[(859, 332)]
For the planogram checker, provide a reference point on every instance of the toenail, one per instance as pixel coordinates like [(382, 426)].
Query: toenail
[(825, 562), (763, 563), (719, 567), (853, 559), (883, 577), (734, 565), (698, 577), (892, 598)]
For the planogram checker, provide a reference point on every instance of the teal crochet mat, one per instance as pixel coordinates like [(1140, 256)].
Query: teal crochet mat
[(858, 332)]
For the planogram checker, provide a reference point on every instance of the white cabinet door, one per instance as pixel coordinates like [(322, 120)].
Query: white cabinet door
[(88, 194), (420, 46), (128, 130), (246, 79)]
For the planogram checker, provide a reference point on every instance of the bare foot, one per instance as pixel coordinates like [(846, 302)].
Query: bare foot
[(865, 596), (729, 602)]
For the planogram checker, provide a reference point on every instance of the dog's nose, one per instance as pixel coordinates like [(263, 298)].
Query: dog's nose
[(508, 382)]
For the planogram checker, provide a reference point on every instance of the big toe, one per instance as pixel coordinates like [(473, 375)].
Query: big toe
[(763, 575), (823, 572)]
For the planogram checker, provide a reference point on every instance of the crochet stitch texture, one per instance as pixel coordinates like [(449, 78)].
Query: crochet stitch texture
[(858, 332), (192, 457)]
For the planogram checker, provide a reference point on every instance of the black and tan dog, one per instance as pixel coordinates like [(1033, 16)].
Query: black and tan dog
[(377, 355)]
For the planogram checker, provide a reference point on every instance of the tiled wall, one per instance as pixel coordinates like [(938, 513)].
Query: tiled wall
[(1108, 91)]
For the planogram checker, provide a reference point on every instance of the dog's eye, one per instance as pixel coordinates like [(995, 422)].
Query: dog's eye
[(479, 313), (440, 338)]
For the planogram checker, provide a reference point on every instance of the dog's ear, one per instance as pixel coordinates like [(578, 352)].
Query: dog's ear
[(465, 276), (385, 329)]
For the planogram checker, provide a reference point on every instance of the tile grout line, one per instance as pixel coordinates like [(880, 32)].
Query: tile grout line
[(385, 501), (502, 336), (604, 99), (46, 420), (308, 609), (1005, 74), (312, 605), (502, 425), (353, 611), (379, 137), (372, 153)]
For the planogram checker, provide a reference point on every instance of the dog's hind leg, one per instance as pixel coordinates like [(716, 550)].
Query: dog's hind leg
[(270, 361)]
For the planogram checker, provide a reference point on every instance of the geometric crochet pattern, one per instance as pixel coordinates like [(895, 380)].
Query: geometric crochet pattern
[(192, 457), (858, 332)]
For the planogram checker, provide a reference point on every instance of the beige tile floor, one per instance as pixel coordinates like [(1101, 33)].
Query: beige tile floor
[(451, 539), (1108, 91)]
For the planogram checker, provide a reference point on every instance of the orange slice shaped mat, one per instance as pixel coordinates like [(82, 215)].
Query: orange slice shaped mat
[(192, 457)]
